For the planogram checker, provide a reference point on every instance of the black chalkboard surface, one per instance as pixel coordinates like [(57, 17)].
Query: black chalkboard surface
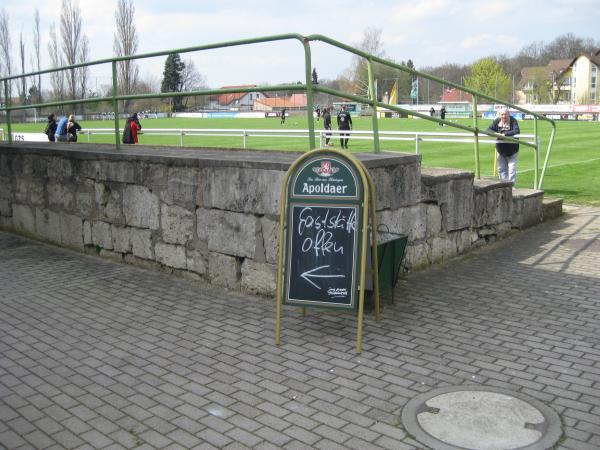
[(322, 245)]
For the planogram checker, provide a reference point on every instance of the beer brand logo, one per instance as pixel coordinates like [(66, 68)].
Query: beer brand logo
[(325, 170)]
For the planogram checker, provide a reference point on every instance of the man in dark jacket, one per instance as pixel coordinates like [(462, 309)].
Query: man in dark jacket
[(344, 122), (507, 153), (327, 126)]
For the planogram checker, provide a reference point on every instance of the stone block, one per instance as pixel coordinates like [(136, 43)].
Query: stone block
[(397, 186), (241, 189), (87, 232), (61, 195), (197, 261), (443, 247), (6, 222), (228, 232), (171, 255), (21, 189), (224, 270), (270, 238), (71, 231), (84, 204), (59, 168), (141, 207), (47, 224), (491, 202), (527, 208), (433, 218), (182, 186), (5, 208), (408, 220), (6, 188), (141, 243), (102, 235), (121, 238), (36, 192), (552, 208), (452, 189), (416, 255), (258, 278), (177, 224)]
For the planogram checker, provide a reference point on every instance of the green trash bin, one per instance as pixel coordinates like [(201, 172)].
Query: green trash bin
[(390, 253)]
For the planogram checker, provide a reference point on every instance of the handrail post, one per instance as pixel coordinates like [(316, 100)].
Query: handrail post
[(115, 104), (417, 146), (181, 138), (550, 142), (476, 140), (244, 134), (7, 101), (309, 94), (536, 163), (373, 96)]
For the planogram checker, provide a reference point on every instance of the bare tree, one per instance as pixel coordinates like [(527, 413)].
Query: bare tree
[(73, 40), (371, 44), (23, 93), (191, 80), (5, 66), (83, 72), (57, 78), (126, 44), (36, 49)]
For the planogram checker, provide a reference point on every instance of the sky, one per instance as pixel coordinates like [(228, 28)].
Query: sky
[(429, 32)]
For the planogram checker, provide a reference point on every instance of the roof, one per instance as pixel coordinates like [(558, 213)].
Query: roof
[(228, 99), (455, 95), (555, 66), (295, 101)]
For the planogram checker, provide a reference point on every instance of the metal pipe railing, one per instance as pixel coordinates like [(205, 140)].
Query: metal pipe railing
[(309, 88)]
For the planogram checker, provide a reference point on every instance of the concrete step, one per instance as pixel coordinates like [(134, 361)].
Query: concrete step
[(527, 207), (552, 208)]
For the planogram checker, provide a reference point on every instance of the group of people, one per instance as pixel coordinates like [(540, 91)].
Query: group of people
[(344, 123), (64, 129)]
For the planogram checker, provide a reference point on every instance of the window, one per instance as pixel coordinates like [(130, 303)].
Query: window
[(593, 82)]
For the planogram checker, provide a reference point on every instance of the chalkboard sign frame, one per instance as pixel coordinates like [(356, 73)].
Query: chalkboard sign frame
[(324, 179)]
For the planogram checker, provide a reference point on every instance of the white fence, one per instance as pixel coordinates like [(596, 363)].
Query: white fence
[(245, 134)]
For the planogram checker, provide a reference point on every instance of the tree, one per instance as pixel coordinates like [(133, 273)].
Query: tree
[(172, 79), (191, 80), (23, 93), (5, 45), (74, 45), (488, 77), (57, 79), (126, 44), (36, 48), (315, 77)]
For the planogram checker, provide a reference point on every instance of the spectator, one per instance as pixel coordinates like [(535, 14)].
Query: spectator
[(50, 129), (442, 114), (72, 129), (344, 122), (327, 126), (283, 115), (61, 130), (507, 152), (130, 133)]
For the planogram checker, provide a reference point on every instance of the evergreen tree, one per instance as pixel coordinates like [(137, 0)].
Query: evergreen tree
[(172, 79), (315, 78)]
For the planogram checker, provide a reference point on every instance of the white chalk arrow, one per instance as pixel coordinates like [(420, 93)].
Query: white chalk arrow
[(310, 274)]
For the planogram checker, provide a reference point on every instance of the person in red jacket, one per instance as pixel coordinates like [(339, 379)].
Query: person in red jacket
[(132, 127)]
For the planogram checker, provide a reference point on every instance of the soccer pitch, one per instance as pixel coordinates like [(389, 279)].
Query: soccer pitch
[(571, 174)]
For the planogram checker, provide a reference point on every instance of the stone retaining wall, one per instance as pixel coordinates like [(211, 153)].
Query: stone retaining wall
[(214, 214)]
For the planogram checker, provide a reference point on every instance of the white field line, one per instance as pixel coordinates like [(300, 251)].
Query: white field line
[(562, 165)]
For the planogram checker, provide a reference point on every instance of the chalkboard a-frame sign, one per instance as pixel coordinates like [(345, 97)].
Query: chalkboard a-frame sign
[(323, 231)]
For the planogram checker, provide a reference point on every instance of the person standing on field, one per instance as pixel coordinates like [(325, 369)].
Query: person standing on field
[(507, 152), (51, 128), (327, 126), (344, 122), (283, 116)]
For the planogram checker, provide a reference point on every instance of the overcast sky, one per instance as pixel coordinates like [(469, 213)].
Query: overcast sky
[(430, 32)]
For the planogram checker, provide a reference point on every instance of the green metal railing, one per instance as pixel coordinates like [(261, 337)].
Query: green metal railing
[(308, 87)]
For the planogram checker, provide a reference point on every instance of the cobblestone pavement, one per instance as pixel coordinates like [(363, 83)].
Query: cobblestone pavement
[(95, 354)]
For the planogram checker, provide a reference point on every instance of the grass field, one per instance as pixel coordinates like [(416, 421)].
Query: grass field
[(572, 173)]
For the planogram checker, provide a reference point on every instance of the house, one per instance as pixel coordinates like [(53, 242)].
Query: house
[(581, 75), (562, 81), (295, 101), (237, 101), (544, 84), (451, 95)]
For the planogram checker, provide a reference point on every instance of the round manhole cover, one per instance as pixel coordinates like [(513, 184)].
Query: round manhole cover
[(481, 418)]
